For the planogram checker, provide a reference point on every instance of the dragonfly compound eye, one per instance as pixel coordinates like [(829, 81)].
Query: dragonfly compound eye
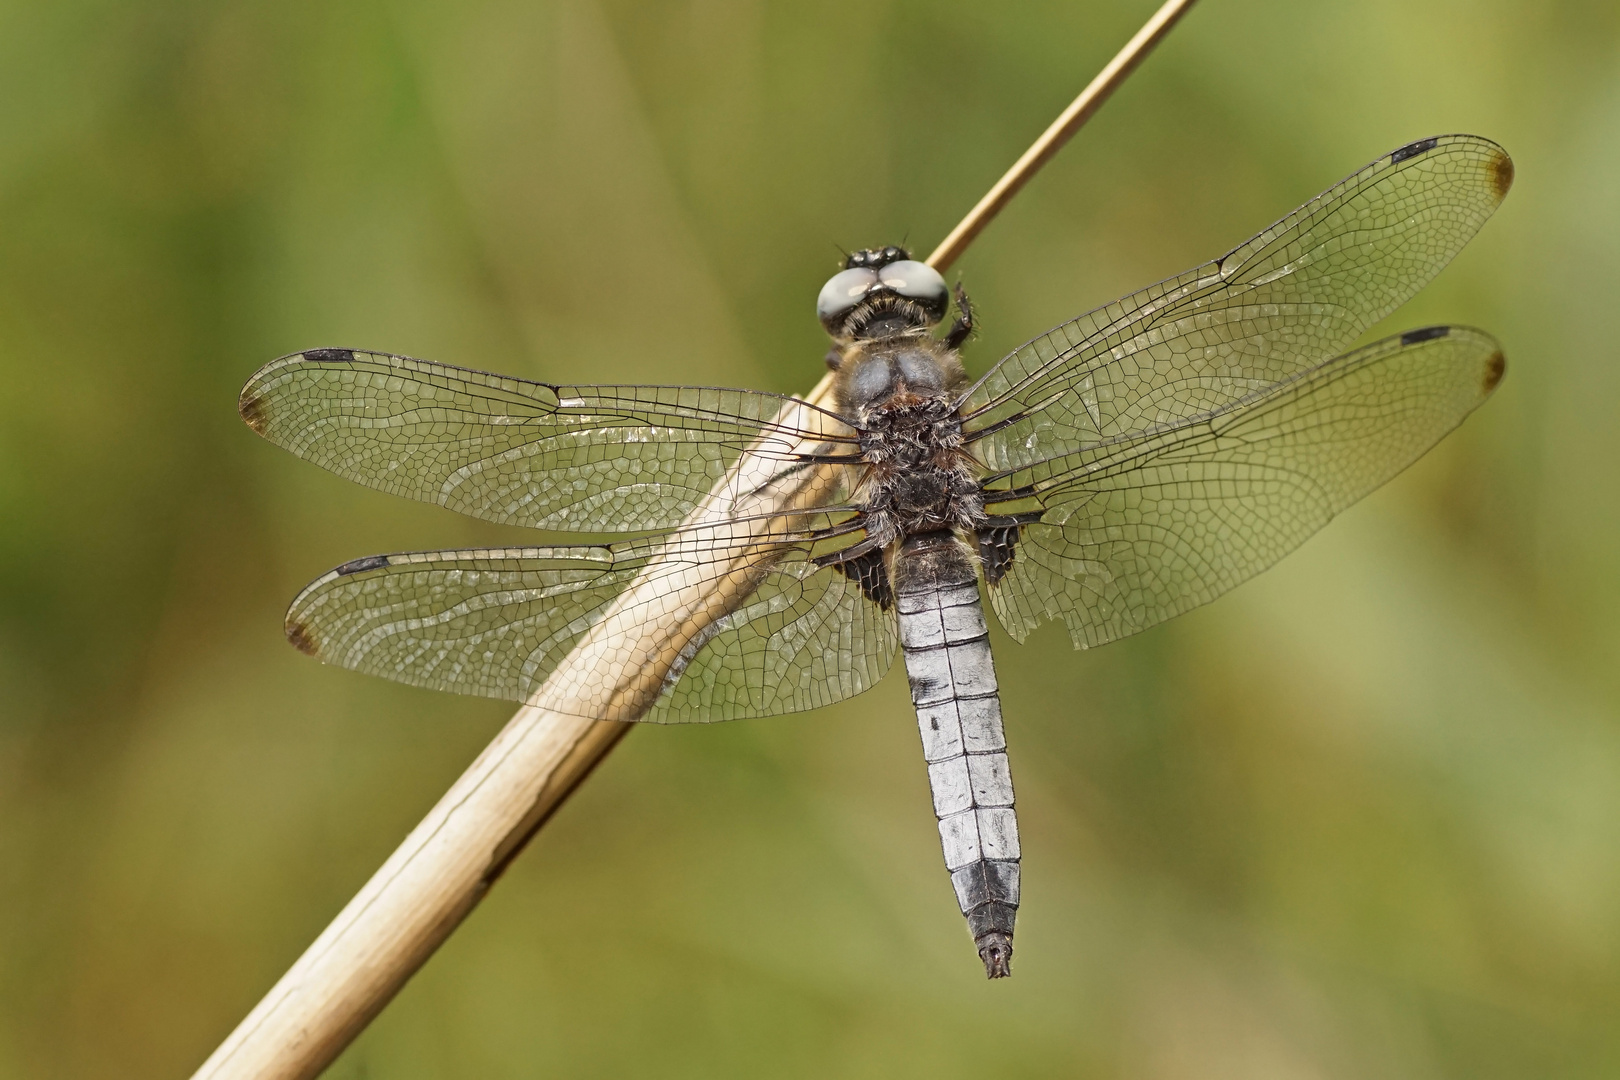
[(842, 294), (919, 282)]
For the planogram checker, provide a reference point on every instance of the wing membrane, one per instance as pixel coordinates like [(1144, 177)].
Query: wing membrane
[(1289, 299), (598, 459), (497, 622), (1154, 522)]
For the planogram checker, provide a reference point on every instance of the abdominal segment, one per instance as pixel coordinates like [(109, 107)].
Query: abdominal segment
[(953, 687)]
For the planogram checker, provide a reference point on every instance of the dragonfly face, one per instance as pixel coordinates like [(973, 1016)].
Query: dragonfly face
[(1123, 467), (881, 292)]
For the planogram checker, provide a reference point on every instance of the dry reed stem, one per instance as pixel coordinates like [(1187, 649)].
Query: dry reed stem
[(447, 863), (1052, 139)]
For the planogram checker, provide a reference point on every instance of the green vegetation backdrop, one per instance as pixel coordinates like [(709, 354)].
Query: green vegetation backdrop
[(1361, 818)]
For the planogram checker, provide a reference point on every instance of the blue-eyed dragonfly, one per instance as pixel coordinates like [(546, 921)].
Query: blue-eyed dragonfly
[(1122, 468)]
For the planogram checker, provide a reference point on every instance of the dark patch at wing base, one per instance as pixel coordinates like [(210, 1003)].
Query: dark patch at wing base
[(998, 541), (869, 572), (996, 547)]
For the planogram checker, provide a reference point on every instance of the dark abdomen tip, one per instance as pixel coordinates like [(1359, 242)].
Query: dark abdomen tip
[(995, 949)]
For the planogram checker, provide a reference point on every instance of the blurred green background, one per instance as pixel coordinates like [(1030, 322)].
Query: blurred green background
[(1361, 818)]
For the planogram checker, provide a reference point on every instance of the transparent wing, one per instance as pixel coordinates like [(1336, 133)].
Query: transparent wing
[(598, 459), (1292, 297), (1144, 526), (498, 622)]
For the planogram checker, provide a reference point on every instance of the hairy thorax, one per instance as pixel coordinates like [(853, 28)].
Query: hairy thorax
[(902, 392)]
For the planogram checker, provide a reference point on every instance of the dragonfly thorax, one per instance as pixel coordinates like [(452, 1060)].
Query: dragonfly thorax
[(900, 369), (902, 395)]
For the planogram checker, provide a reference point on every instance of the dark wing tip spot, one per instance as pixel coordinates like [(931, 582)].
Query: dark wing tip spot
[(301, 638), (1501, 174), (251, 407), (1495, 368), (1412, 150), (1427, 333), (355, 566), (335, 356)]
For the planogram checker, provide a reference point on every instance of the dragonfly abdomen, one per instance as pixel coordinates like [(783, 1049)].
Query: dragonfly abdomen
[(953, 687)]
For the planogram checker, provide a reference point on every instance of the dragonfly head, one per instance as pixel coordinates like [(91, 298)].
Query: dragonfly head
[(882, 292)]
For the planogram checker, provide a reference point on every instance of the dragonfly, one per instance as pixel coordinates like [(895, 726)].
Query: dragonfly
[(1121, 468)]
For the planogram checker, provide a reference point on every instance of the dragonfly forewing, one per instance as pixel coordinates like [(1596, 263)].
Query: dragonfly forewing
[(1295, 295), (588, 459)]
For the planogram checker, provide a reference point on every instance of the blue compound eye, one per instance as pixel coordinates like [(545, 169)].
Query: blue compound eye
[(917, 281), (843, 291)]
